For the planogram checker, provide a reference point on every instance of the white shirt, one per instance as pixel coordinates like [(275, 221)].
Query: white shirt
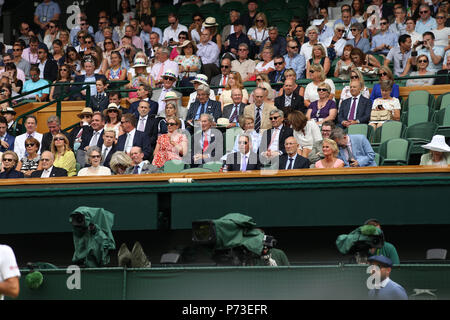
[(169, 32), (129, 140), (41, 68), (142, 120), (244, 159), (8, 265), (95, 137), (46, 172), (310, 136), (306, 50), (19, 143), (167, 65), (275, 139)]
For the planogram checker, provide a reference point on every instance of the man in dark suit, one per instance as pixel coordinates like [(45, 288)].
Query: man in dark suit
[(92, 136), (144, 93), (233, 111), (272, 141), (356, 109), (47, 65), (147, 122), (203, 105), (221, 79), (291, 159), (48, 170), (290, 100), (133, 138), (442, 79), (245, 159), (90, 76), (108, 147), (207, 144), (277, 76), (54, 127), (6, 140), (76, 134), (9, 115)]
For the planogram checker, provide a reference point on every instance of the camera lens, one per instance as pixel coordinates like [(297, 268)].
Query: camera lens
[(128, 51)]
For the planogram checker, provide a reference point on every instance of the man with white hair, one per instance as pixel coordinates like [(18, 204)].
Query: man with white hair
[(198, 80), (336, 41), (313, 33), (163, 65), (203, 105)]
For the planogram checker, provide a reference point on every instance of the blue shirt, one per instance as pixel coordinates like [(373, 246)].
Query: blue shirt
[(376, 92), (391, 291), (388, 38), (439, 51), (362, 44), (73, 35), (422, 27), (99, 37), (93, 86), (46, 11), (200, 109), (29, 85), (297, 63), (145, 37)]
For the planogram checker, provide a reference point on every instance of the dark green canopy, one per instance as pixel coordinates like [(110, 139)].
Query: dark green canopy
[(93, 239), (345, 242)]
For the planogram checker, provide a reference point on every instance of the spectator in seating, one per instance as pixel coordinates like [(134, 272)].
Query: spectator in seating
[(30, 54), (92, 136), (20, 62), (24, 29), (400, 55), (221, 79), (101, 64), (358, 41), (306, 132), (171, 110), (108, 147), (176, 50), (248, 125), (385, 74), (132, 137), (120, 162), (413, 9), (108, 47), (75, 136), (46, 12), (169, 80), (294, 60), (249, 18), (245, 159), (196, 27), (439, 154), (426, 22), (354, 149), (242, 64), (172, 145), (267, 64), (147, 122), (94, 158), (330, 151), (323, 109), (410, 30), (208, 51), (144, 92), (300, 36), (211, 25), (9, 114), (356, 75), (204, 146), (318, 76), (116, 72), (235, 109), (336, 43), (398, 26), (49, 169), (258, 32), (163, 65), (366, 63), (317, 152), (445, 71), (9, 163), (73, 60), (388, 250), (140, 77), (260, 110), (54, 128), (386, 102), (277, 76), (90, 76), (388, 290), (58, 52), (234, 82), (64, 156), (203, 105), (229, 28), (6, 139), (233, 41), (198, 80), (64, 76), (307, 47), (19, 143), (64, 37), (290, 74), (188, 63), (358, 10), (126, 11), (385, 40), (356, 109), (171, 32), (11, 73), (292, 159), (422, 65), (318, 57), (290, 99), (140, 166), (31, 162), (275, 41), (99, 36), (325, 32), (113, 115), (5, 93), (344, 64), (272, 140), (36, 83), (434, 53), (441, 32), (270, 93)]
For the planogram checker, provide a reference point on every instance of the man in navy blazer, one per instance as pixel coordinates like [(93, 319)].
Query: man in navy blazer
[(356, 109), (48, 170), (145, 93), (90, 76), (354, 149), (245, 159), (133, 138), (207, 144), (291, 159), (147, 122), (233, 111), (203, 105), (6, 140)]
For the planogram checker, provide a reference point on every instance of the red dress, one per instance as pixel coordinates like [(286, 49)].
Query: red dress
[(166, 150)]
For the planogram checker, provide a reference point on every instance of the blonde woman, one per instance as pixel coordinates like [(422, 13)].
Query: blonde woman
[(266, 65), (317, 76), (64, 156), (319, 57), (330, 151), (323, 109), (258, 33)]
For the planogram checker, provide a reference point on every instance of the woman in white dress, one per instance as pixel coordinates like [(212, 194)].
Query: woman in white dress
[(94, 158), (306, 132), (386, 102)]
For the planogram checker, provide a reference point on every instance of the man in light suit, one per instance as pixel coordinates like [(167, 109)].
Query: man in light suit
[(356, 109), (207, 144), (290, 100), (291, 159), (19, 143), (229, 28), (133, 138), (169, 79), (140, 166), (6, 140), (260, 111), (233, 111), (203, 105), (272, 141), (48, 170), (221, 79), (245, 159), (354, 149)]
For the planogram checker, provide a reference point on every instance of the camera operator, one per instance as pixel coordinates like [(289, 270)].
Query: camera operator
[(434, 53), (128, 51), (270, 255), (388, 250)]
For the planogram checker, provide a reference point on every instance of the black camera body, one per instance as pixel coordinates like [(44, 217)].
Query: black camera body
[(128, 51)]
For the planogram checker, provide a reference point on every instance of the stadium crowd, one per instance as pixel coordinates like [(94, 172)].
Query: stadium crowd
[(279, 121)]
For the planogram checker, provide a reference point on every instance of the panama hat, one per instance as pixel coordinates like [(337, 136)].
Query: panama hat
[(437, 144), (9, 110), (86, 110), (169, 73), (210, 22), (201, 78), (170, 96)]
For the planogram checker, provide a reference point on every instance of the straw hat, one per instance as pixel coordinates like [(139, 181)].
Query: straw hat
[(139, 62), (223, 122), (9, 110), (201, 78), (210, 22), (170, 96), (437, 144), (87, 111), (184, 44), (170, 73)]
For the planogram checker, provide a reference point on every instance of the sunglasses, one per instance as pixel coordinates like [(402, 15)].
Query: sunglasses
[(171, 124), (51, 27), (278, 63), (322, 90), (243, 142), (273, 118), (422, 61), (8, 160), (85, 116), (259, 79), (354, 77), (259, 20), (167, 78), (242, 50), (382, 74), (226, 67), (112, 110), (440, 17), (423, 12), (353, 29), (311, 71), (294, 47), (45, 159), (383, 23), (340, 30), (29, 145), (41, 52), (172, 23), (96, 156), (17, 49), (58, 138), (88, 42)]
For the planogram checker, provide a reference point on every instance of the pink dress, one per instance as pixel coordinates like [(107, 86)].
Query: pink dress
[(166, 150), (338, 163)]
